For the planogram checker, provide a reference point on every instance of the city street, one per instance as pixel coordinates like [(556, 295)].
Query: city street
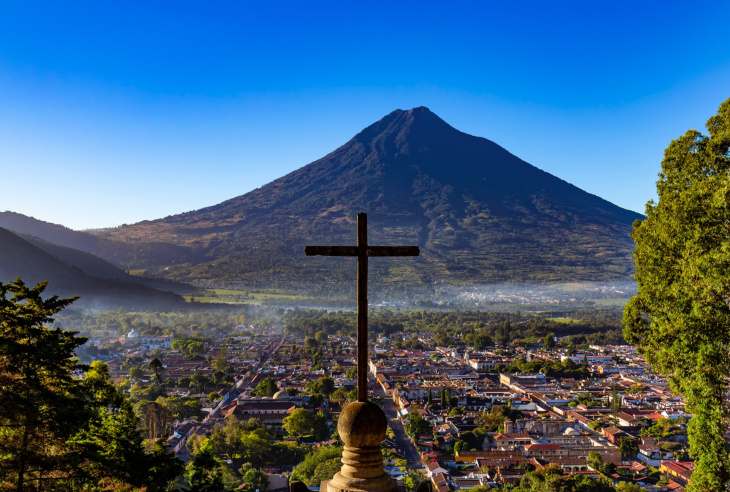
[(402, 441)]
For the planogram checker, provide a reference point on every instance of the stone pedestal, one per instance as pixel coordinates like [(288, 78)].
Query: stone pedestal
[(362, 427)]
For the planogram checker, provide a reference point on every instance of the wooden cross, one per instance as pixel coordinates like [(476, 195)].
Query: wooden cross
[(362, 251)]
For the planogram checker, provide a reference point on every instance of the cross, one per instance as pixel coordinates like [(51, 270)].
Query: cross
[(362, 251)]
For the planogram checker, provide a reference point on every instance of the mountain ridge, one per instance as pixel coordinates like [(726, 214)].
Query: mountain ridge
[(21, 258)]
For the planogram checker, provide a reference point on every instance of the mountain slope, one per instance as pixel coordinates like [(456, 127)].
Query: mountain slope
[(20, 258), (479, 214)]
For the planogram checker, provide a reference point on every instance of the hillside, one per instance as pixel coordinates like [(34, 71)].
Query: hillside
[(20, 258), (117, 253), (479, 214)]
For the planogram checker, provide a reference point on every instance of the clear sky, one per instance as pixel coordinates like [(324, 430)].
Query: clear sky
[(116, 112)]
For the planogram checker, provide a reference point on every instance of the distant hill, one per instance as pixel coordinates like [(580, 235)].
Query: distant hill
[(53, 233), (82, 250), (21, 258), (479, 214), (118, 253)]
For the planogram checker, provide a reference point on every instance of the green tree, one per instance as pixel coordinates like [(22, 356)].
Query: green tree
[(548, 342), (266, 387), (40, 403), (58, 432), (320, 429), (205, 472), (629, 487), (417, 426), (156, 367), (323, 458), (300, 423), (195, 348), (628, 446), (255, 480), (135, 372), (461, 446), (199, 381), (680, 319), (413, 479), (481, 342), (615, 402)]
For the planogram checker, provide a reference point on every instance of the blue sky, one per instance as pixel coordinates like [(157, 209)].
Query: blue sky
[(116, 112)]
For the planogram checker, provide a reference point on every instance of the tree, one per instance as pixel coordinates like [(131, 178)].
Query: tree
[(445, 398), (615, 402), (322, 459), (628, 446), (35, 379), (58, 432), (629, 487), (156, 367), (461, 446), (417, 426), (548, 342), (326, 385), (199, 381), (255, 480), (300, 423), (680, 319), (204, 472), (135, 372), (321, 337), (266, 387), (413, 479), (195, 348), (481, 342), (320, 429)]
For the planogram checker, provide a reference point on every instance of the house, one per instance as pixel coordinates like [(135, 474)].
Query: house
[(512, 440), (681, 470), (614, 434), (434, 468)]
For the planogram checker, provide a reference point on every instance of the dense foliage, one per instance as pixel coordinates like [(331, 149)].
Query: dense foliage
[(318, 466), (478, 329), (58, 432), (680, 318)]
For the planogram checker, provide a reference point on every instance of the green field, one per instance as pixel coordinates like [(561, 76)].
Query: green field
[(567, 321)]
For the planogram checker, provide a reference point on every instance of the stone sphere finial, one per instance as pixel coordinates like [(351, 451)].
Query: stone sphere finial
[(362, 424)]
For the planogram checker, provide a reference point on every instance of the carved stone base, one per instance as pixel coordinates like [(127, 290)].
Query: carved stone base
[(362, 470), (362, 427)]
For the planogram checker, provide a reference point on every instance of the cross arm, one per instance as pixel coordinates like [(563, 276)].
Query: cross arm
[(393, 251)]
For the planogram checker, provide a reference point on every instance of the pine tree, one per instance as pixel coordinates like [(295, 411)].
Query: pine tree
[(58, 432), (615, 402), (445, 398)]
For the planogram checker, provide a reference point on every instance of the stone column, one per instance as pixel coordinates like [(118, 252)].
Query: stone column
[(362, 427)]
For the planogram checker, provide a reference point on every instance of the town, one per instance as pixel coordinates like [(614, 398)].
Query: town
[(464, 411)]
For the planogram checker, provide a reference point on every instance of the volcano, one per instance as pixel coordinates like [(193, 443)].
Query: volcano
[(478, 213)]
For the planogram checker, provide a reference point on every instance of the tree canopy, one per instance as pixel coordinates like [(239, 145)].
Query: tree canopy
[(58, 432), (680, 318)]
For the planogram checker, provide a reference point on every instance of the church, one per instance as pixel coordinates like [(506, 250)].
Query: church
[(134, 339)]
